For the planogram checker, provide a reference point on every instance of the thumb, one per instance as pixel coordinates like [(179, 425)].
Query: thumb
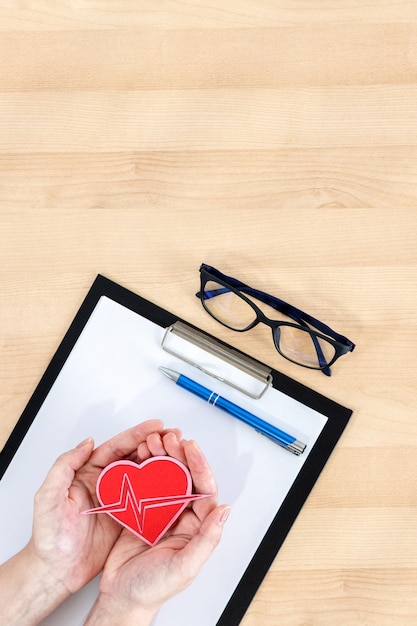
[(60, 476)]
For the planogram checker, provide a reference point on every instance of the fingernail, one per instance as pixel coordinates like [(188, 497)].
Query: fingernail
[(225, 515), (84, 442)]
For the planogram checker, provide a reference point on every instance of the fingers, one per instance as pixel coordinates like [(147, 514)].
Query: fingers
[(175, 447), (189, 453), (155, 445), (168, 442), (122, 445), (203, 479)]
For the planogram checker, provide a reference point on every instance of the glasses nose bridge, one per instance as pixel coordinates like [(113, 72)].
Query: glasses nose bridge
[(263, 319)]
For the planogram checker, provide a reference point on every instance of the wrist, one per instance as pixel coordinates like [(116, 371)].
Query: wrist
[(29, 592), (109, 610), (51, 582)]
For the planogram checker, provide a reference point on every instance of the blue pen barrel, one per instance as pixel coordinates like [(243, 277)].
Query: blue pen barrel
[(258, 424), (195, 388), (277, 435)]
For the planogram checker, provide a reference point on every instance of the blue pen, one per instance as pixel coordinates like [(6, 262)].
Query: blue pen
[(278, 436)]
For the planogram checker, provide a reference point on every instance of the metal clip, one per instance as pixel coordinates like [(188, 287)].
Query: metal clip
[(222, 362)]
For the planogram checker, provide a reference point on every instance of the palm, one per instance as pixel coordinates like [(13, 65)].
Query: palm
[(63, 535), (145, 571), (92, 535)]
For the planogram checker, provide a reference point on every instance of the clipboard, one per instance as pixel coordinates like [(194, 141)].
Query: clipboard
[(104, 378)]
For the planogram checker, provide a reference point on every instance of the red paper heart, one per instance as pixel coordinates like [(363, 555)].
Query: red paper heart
[(146, 498)]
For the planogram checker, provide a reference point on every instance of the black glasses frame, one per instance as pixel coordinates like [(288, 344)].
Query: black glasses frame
[(340, 343)]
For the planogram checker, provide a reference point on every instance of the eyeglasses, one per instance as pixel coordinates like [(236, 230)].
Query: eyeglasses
[(226, 299)]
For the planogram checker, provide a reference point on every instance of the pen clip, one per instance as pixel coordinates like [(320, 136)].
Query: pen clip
[(217, 360)]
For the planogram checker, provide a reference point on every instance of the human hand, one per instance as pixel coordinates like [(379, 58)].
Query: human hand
[(67, 548), (137, 579), (73, 544)]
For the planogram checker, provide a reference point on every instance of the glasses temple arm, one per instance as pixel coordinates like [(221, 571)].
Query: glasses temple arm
[(206, 294)]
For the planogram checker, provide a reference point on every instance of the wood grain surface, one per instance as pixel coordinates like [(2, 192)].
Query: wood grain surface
[(276, 141)]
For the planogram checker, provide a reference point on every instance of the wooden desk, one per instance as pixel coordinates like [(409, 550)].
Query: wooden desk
[(278, 142)]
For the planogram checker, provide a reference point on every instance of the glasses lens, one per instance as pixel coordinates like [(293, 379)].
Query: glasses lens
[(227, 307), (298, 345)]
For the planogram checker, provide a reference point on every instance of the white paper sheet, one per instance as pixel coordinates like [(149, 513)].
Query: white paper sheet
[(110, 382)]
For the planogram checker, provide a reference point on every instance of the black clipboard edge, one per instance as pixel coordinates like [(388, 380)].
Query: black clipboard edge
[(296, 497)]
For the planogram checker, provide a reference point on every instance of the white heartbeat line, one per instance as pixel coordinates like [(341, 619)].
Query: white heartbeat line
[(127, 496)]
